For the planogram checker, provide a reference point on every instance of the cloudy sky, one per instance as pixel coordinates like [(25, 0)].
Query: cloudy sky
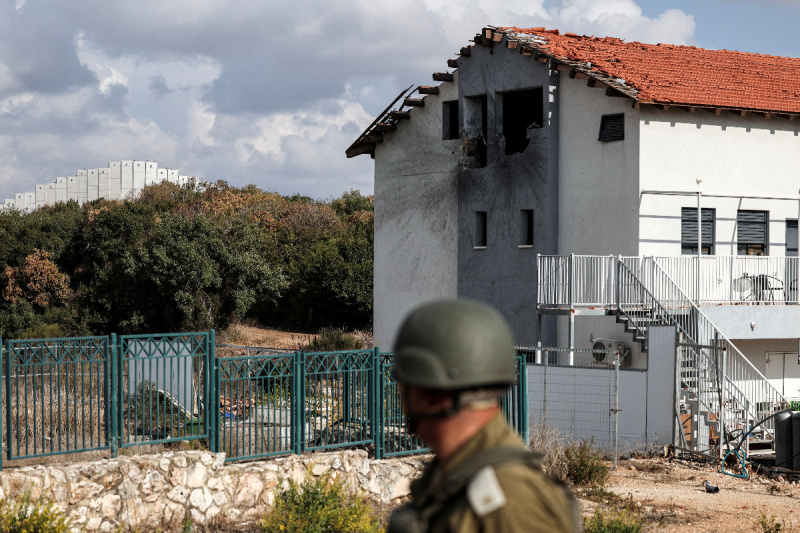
[(270, 92)]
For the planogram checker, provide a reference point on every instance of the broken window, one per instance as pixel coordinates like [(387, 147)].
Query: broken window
[(526, 227), (480, 229), (612, 128), (450, 124), (522, 111), (476, 123)]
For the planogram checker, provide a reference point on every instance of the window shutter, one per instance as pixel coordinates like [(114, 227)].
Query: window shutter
[(612, 127), (751, 227), (689, 226)]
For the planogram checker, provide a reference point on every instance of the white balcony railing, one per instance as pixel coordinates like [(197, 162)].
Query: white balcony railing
[(591, 281)]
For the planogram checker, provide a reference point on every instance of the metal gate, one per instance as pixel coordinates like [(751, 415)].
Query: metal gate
[(82, 394)]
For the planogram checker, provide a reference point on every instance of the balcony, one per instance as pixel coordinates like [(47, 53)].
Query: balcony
[(591, 282)]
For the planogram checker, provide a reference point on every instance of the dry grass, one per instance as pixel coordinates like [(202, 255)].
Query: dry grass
[(550, 443)]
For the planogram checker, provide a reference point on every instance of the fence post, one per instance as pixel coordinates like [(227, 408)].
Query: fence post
[(298, 401), (616, 409), (119, 365), (212, 393), (522, 396), (112, 403), (376, 403)]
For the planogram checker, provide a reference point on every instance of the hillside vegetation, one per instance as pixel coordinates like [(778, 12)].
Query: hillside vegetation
[(177, 259)]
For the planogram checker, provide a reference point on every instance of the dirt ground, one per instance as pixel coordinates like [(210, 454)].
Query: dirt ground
[(671, 496)]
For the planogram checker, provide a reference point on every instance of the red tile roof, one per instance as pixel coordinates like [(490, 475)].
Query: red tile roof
[(677, 75)]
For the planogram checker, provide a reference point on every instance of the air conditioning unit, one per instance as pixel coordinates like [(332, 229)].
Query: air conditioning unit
[(601, 355)]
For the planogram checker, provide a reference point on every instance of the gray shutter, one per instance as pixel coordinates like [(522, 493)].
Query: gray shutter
[(689, 226), (751, 227)]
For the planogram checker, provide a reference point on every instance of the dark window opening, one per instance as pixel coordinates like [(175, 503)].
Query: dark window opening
[(689, 231), (476, 123), (752, 232), (612, 127), (450, 124), (791, 237), (522, 110), (480, 228), (526, 227)]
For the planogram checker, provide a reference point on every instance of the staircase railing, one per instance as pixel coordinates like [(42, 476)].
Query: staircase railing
[(698, 372), (748, 396)]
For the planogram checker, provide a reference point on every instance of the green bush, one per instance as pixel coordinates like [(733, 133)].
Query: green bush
[(613, 521), (25, 516), (320, 505), (585, 465), (333, 340)]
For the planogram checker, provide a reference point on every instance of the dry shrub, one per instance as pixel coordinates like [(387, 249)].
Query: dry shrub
[(320, 504), (548, 442)]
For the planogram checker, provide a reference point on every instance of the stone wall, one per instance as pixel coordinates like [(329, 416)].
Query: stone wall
[(148, 490)]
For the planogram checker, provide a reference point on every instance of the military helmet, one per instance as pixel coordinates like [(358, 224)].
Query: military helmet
[(455, 344)]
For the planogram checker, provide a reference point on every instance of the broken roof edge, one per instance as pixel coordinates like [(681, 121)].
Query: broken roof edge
[(536, 46)]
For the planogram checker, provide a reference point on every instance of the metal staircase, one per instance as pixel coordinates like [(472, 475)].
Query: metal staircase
[(721, 393)]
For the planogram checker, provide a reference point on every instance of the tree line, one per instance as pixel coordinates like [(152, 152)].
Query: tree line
[(183, 259)]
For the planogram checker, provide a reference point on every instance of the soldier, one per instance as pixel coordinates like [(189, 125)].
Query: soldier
[(454, 361)]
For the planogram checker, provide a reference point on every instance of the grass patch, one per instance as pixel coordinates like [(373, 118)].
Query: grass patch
[(613, 521)]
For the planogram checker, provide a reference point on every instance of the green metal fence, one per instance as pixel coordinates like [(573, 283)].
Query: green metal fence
[(56, 396), (106, 393)]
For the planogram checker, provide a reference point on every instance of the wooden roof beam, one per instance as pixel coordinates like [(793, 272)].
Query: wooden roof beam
[(383, 127), (452, 63), (688, 109), (762, 115), (512, 44), (442, 76), (414, 102), (714, 110), (359, 149), (425, 89), (399, 115), (466, 51)]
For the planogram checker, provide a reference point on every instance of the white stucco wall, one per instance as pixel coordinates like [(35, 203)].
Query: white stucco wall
[(731, 155), (598, 182), (416, 216)]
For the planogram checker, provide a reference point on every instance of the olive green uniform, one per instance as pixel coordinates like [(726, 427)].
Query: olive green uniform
[(526, 500)]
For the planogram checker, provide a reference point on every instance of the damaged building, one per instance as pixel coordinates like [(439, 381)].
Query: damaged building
[(590, 188)]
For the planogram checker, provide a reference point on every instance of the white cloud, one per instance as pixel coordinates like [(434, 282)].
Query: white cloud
[(275, 106), (624, 19)]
